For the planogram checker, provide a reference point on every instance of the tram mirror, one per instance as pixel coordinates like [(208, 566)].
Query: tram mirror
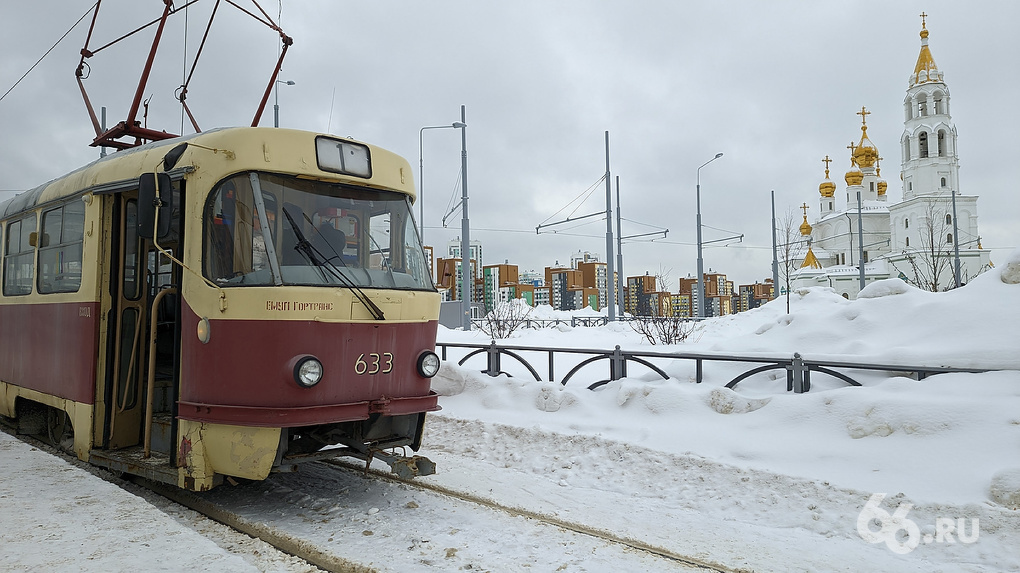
[(149, 207), (173, 156)]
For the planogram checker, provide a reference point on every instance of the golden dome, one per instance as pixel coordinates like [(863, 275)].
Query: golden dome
[(827, 188), (805, 228), (882, 186), (854, 176), (865, 154)]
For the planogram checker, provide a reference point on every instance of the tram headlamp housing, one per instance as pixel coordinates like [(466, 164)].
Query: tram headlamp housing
[(308, 371), (204, 330), (428, 364)]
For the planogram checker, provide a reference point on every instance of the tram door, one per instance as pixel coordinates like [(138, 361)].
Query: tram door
[(129, 327)]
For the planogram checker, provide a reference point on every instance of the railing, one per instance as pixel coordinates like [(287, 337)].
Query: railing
[(575, 321), (798, 369)]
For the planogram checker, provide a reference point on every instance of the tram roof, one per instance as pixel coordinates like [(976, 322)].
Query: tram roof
[(293, 151)]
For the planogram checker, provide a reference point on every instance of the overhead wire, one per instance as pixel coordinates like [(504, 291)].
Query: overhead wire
[(586, 193), (48, 51)]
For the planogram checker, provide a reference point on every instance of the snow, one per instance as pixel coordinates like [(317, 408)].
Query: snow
[(754, 477)]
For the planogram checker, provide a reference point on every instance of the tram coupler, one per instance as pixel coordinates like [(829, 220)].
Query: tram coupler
[(405, 467)]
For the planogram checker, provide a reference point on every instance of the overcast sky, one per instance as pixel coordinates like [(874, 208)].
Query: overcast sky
[(773, 85)]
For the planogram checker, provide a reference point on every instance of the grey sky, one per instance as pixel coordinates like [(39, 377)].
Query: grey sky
[(773, 85)]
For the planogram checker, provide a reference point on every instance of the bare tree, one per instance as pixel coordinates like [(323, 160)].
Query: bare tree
[(933, 260), (663, 278), (505, 318), (665, 329), (789, 241)]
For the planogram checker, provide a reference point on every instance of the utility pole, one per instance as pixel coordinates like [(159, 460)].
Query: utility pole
[(619, 251), (775, 257), (467, 279), (609, 234)]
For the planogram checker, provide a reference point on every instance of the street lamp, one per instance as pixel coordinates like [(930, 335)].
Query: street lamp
[(701, 262), (465, 243), (421, 175), (276, 102)]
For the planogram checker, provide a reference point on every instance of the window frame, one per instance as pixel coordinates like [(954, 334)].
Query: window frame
[(22, 253), (51, 272)]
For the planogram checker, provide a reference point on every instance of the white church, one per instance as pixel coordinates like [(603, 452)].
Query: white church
[(930, 238)]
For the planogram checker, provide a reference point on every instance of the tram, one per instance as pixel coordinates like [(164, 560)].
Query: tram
[(221, 306)]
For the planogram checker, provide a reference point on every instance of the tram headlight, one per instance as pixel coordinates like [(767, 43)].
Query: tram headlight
[(308, 371), (428, 364), (204, 331)]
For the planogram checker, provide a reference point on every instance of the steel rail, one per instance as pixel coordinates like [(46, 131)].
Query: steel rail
[(575, 527)]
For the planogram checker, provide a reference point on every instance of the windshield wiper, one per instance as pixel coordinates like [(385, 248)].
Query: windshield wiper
[(325, 264), (303, 246), (385, 259)]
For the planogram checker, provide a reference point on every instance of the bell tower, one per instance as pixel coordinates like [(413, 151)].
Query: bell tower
[(930, 164), (934, 228)]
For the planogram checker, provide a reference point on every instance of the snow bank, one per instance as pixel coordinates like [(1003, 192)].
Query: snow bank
[(1005, 488), (1010, 273)]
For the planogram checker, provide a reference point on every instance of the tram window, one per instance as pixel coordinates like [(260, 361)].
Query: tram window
[(323, 234), (235, 246), (60, 248), (379, 236), (19, 257), (132, 261)]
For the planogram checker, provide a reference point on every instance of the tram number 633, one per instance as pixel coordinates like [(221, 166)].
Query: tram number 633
[(376, 363)]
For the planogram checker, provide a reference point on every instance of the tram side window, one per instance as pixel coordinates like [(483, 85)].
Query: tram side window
[(234, 245), (60, 248), (19, 257)]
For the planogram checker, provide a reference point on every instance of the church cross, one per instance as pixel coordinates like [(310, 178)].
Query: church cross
[(804, 208), (923, 16), (826, 161), (864, 113), (852, 147)]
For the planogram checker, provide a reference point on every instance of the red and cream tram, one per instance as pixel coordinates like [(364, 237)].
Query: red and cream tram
[(225, 304)]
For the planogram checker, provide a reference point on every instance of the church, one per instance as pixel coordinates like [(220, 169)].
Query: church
[(930, 238)]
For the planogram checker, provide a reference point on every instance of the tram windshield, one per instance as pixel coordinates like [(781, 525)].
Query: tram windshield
[(265, 229)]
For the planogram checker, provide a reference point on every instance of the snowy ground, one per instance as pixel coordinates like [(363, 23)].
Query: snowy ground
[(753, 478)]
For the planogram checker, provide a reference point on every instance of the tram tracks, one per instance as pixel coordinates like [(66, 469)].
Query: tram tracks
[(306, 496), (597, 533), (328, 560)]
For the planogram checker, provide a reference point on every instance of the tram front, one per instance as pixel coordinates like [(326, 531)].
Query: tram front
[(309, 316)]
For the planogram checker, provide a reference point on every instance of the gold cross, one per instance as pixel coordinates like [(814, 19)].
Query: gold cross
[(864, 113), (804, 207), (826, 161), (852, 147), (923, 16)]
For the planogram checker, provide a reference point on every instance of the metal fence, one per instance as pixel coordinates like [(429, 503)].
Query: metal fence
[(798, 369), (575, 321)]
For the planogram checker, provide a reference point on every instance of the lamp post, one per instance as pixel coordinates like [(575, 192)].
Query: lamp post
[(421, 175), (701, 262), (276, 100), (467, 280)]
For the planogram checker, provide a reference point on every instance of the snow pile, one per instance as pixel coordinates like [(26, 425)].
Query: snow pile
[(929, 439), (1005, 488), (1011, 270)]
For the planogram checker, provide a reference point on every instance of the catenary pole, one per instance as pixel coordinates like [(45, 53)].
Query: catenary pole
[(609, 234), (619, 253)]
